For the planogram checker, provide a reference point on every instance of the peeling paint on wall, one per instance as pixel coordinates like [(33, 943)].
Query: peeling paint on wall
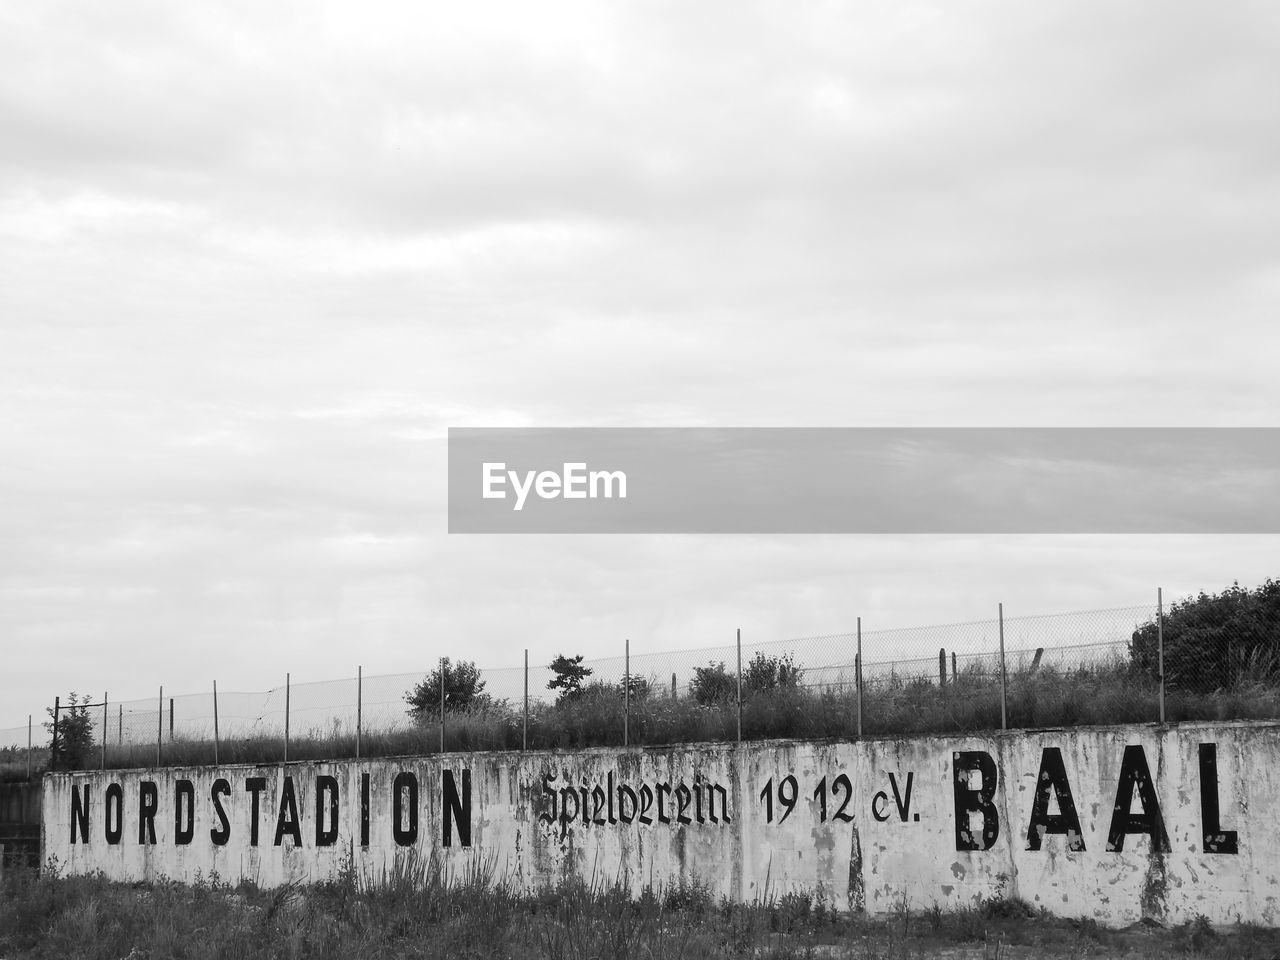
[(1115, 823)]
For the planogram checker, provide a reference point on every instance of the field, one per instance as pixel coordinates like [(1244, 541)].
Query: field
[(421, 914)]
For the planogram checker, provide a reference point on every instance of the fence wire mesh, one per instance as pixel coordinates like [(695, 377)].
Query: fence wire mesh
[(1100, 666)]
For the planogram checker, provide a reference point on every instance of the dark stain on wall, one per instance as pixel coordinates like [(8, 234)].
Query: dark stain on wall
[(20, 822), (1155, 883), (857, 886)]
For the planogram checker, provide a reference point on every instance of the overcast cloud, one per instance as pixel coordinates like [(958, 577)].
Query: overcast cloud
[(255, 259)]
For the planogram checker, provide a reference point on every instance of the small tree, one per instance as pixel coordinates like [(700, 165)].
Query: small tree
[(71, 747), (463, 690), (714, 684), (771, 673), (569, 674), (640, 687)]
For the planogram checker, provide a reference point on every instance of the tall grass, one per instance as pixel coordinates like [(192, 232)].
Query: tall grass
[(14, 762), (969, 702), (419, 911)]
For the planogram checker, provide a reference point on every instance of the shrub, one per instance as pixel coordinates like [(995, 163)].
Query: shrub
[(1214, 641), (640, 687), (714, 684), (769, 673), (463, 690)]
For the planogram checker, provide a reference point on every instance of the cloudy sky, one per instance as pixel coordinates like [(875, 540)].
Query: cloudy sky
[(255, 259)]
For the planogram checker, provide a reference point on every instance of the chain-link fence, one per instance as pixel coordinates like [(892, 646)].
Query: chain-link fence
[(1100, 666), (24, 751)]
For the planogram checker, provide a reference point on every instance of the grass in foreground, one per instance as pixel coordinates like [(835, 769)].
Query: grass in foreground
[(419, 914)]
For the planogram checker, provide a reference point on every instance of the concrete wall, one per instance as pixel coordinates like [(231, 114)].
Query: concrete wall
[(1113, 823), (20, 823)]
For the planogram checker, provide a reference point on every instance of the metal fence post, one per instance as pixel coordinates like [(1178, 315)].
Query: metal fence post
[(287, 679), (160, 726), (942, 667), (53, 742), (216, 735), (1160, 644), (857, 677), (28, 747), (1004, 678), (442, 659), (739, 686), (103, 764), (525, 741), (120, 726), (626, 693), (171, 719), (359, 707)]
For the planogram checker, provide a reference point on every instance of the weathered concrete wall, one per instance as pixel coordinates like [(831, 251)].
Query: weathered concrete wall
[(1113, 823), (20, 823)]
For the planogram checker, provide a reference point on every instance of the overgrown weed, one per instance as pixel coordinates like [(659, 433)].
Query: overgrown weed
[(969, 702), (419, 909)]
